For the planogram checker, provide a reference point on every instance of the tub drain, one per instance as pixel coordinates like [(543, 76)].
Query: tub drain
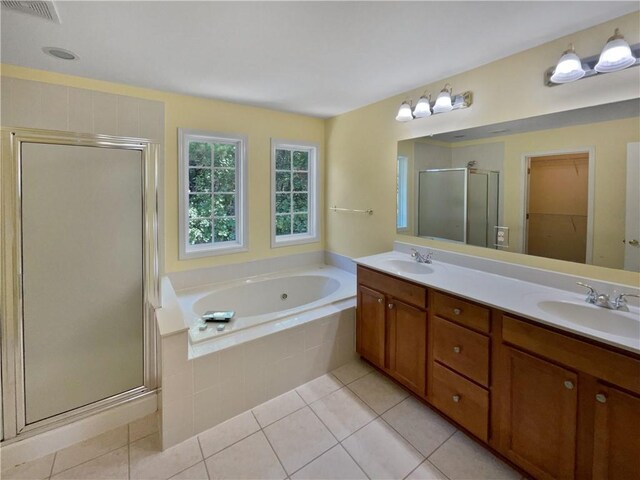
[(283, 296)]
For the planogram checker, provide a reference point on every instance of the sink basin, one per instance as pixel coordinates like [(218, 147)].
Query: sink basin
[(406, 266), (614, 322)]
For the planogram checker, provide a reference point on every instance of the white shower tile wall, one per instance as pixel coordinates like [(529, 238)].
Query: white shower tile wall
[(198, 393)]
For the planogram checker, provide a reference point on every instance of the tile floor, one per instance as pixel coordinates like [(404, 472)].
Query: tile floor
[(350, 424)]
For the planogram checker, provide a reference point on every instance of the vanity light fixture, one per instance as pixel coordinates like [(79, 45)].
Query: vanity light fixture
[(616, 55), (445, 102)]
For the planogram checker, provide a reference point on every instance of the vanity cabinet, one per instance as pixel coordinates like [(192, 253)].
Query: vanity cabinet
[(391, 327), (555, 404), (540, 415)]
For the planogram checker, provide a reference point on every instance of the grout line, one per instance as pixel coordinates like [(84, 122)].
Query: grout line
[(422, 463), (228, 446), (440, 446), (272, 449), (206, 469), (339, 443), (55, 455), (86, 461), (402, 437)]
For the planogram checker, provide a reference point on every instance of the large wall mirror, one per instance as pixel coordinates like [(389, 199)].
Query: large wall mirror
[(563, 186)]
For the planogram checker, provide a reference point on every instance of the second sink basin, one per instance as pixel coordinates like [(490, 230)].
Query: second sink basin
[(615, 322), (406, 266)]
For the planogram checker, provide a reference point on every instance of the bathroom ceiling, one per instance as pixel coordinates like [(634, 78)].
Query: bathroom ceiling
[(314, 58)]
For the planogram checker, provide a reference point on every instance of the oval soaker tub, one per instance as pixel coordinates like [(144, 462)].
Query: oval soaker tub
[(264, 299)]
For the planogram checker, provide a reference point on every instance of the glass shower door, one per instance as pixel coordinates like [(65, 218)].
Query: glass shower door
[(82, 275)]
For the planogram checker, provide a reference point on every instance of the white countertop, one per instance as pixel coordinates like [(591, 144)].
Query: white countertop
[(526, 299)]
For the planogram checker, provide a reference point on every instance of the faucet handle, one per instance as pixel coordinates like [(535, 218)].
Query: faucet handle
[(592, 295), (620, 302)]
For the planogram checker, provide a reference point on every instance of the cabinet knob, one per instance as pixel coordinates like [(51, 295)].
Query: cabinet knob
[(457, 311), (380, 300), (391, 305), (568, 384), (456, 349), (601, 397), (456, 398)]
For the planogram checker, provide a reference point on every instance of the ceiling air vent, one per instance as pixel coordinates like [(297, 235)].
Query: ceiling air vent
[(40, 9)]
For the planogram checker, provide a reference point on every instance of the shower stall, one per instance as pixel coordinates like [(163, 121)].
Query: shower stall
[(79, 275), (459, 204)]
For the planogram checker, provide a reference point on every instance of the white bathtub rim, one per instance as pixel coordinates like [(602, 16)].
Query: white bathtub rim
[(239, 337)]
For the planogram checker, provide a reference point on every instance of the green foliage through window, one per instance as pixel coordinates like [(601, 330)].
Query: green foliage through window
[(291, 191)]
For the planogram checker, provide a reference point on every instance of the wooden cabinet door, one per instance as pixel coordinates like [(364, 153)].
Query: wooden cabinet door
[(616, 448), (407, 344), (371, 325), (540, 408)]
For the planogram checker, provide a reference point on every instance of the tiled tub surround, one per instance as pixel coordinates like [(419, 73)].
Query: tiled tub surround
[(511, 288), (207, 383), (353, 423)]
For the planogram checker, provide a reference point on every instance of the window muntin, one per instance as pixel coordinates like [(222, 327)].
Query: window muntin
[(212, 215), (294, 177)]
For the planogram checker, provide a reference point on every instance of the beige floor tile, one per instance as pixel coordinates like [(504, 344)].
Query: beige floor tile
[(143, 427), (381, 452), (461, 457), (147, 461), (378, 392), (35, 469), (111, 466), (343, 412), (89, 449), (318, 388), (423, 428), (351, 371), (334, 464), (197, 472), (227, 433), (299, 438), (426, 471), (279, 407), (250, 458)]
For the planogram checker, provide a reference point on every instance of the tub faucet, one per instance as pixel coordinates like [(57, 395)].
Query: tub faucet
[(420, 258)]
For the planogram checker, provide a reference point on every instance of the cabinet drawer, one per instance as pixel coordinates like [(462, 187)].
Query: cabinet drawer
[(462, 400), (613, 367), (462, 312), (392, 286), (461, 349)]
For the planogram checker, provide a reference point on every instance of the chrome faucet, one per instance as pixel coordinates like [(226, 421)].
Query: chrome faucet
[(420, 258), (603, 300)]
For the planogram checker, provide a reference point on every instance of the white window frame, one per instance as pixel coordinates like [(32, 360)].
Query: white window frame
[(402, 194), (188, 251), (313, 233)]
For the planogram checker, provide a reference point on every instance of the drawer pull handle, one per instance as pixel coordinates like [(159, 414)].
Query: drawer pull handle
[(601, 397), (456, 349), (391, 305), (456, 398), (380, 300), (568, 384), (457, 311)]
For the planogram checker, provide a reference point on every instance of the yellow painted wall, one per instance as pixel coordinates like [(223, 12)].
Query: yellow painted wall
[(362, 144), (258, 124)]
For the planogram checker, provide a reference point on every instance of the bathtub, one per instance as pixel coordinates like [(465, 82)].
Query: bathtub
[(277, 301)]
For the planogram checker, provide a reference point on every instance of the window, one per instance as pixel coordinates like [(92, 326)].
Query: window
[(401, 189), (294, 189), (212, 197)]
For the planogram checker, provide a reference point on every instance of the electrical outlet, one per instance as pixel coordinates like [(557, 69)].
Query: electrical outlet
[(502, 237)]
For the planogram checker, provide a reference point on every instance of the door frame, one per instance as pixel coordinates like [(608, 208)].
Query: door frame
[(12, 344), (525, 162)]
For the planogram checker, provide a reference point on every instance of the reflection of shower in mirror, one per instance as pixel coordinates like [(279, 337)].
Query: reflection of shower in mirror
[(459, 204)]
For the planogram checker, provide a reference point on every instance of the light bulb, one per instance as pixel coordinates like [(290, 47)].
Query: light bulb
[(443, 102), (423, 107), (569, 68), (616, 55), (404, 114)]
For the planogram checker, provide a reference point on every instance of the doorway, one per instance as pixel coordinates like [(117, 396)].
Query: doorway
[(557, 206)]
